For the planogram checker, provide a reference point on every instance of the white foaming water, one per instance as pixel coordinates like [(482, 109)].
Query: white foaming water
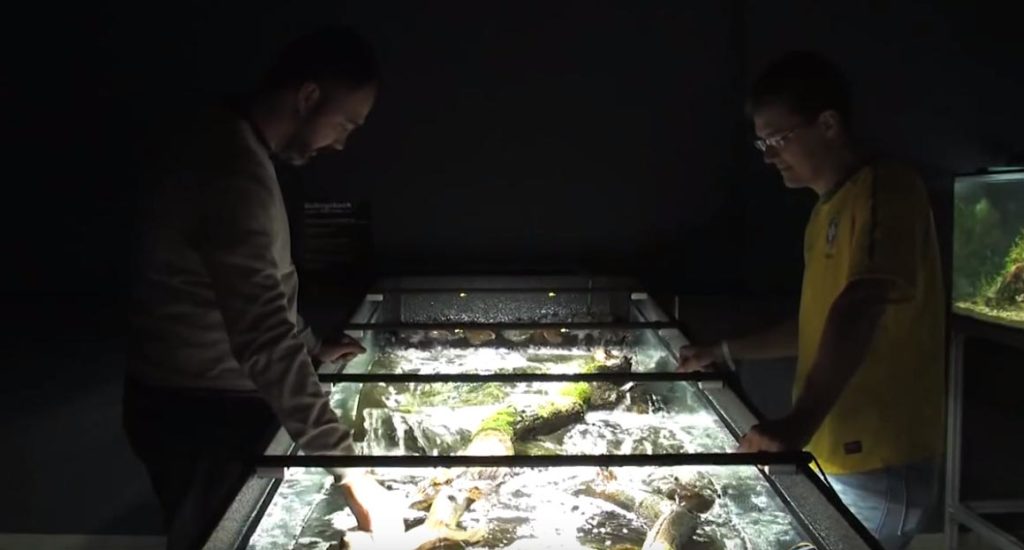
[(489, 360), (544, 507)]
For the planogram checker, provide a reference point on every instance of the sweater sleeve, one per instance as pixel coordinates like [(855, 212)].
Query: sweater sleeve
[(238, 252)]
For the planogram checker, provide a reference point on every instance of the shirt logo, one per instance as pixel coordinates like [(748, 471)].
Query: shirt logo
[(830, 234), (853, 447)]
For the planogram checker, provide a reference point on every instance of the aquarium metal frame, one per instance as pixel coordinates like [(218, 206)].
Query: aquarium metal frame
[(987, 330), (526, 282), (1013, 174), (511, 378), (788, 474), (277, 463), (567, 326), (508, 290), (959, 512)]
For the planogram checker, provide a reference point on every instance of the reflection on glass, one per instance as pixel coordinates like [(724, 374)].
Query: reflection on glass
[(694, 507)]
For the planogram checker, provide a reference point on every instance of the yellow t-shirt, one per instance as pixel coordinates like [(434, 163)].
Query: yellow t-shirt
[(878, 225)]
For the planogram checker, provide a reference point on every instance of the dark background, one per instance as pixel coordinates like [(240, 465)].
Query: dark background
[(508, 137)]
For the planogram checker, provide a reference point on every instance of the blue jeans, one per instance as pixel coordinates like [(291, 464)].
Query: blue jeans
[(894, 503)]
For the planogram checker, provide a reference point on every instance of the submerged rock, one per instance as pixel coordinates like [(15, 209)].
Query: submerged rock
[(536, 448), (605, 395), (672, 530), (479, 337), (693, 489), (517, 336)]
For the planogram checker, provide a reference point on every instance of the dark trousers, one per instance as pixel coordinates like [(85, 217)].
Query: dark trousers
[(198, 447)]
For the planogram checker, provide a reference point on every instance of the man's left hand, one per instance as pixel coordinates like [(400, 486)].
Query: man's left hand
[(773, 436), (345, 348)]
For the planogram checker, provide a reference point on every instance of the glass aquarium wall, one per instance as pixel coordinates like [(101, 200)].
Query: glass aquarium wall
[(988, 247), (571, 507), (538, 417)]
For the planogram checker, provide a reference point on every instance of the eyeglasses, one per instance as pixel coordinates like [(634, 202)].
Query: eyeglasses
[(776, 141)]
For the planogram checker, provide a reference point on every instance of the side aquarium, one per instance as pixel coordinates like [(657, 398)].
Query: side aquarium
[(988, 247)]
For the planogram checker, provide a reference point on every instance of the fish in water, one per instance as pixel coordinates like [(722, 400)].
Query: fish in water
[(672, 530)]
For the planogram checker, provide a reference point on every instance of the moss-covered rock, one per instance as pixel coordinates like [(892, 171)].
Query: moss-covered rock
[(527, 423), (578, 391), (595, 365), (1008, 289), (502, 421)]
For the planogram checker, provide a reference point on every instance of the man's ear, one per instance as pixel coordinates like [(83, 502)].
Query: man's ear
[(307, 97), (830, 123)]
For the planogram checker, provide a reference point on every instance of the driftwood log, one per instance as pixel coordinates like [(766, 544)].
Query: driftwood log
[(450, 494)]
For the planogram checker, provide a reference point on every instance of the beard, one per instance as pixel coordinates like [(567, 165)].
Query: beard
[(299, 149)]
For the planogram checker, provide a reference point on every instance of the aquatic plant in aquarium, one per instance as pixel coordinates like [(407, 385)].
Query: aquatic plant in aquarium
[(988, 247)]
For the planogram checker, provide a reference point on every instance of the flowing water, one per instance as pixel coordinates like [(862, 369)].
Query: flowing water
[(531, 508)]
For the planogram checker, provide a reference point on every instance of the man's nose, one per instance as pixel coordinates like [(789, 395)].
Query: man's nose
[(770, 153)]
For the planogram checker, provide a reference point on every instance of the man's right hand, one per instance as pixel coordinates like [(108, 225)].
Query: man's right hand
[(344, 348), (376, 510), (698, 358)]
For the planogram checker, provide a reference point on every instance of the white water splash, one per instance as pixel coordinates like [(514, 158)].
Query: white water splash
[(537, 508)]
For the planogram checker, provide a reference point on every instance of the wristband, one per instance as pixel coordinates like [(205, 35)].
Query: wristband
[(727, 355)]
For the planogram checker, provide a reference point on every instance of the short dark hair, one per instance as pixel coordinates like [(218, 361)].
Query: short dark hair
[(804, 82), (337, 54)]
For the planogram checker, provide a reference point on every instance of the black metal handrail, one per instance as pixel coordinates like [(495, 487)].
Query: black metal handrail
[(623, 378), (477, 325), (541, 461), (509, 290)]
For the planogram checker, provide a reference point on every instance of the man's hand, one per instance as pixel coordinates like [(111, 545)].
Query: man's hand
[(694, 358), (773, 436), (345, 348), (376, 510)]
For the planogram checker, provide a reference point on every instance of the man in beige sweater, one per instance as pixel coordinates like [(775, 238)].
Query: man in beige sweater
[(219, 351)]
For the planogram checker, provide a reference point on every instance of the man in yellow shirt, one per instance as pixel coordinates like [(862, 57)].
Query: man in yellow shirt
[(869, 337)]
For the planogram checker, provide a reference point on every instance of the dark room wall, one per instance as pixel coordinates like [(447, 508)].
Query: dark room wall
[(565, 136), (534, 136), (937, 83), (580, 134), (562, 135)]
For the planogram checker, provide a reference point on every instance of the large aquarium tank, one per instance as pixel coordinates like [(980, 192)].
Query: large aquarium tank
[(507, 417), (988, 246)]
